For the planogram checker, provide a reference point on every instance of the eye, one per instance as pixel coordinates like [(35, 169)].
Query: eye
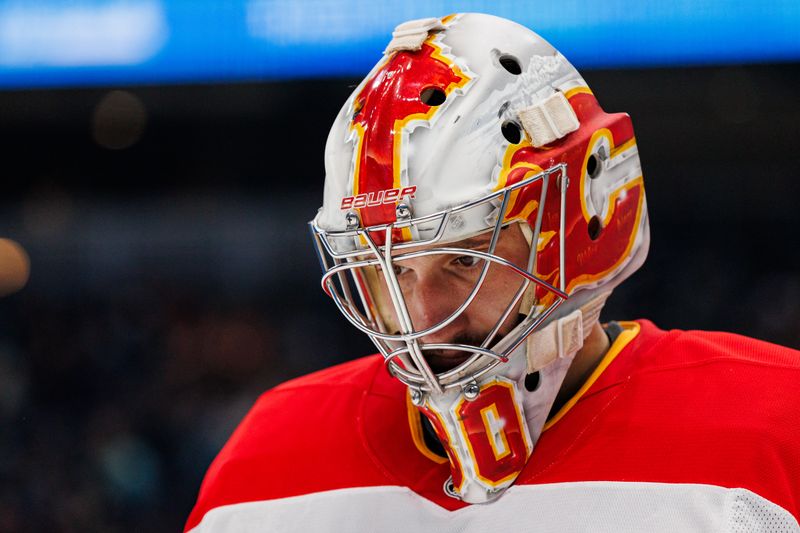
[(466, 261), (399, 270)]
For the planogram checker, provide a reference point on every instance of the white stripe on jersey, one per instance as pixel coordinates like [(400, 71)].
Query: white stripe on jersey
[(594, 507)]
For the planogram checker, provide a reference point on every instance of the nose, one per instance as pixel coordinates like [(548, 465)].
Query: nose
[(430, 300)]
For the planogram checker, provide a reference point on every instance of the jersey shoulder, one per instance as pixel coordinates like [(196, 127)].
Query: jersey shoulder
[(655, 348), (357, 373), (750, 379), (293, 439), (302, 408), (685, 407)]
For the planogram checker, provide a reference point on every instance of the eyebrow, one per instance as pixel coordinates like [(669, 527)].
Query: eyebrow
[(477, 241), (473, 242)]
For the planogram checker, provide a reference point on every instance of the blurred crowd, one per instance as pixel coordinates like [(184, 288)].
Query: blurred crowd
[(113, 406), (115, 399)]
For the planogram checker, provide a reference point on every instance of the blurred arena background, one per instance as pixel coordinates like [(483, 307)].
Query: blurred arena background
[(160, 159)]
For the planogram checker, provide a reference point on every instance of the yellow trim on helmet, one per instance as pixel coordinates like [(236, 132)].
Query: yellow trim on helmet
[(401, 123), (588, 278), (511, 149), (583, 89), (622, 147), (448, 18), (415, 424), (544, 239), (359, 129), (615, 150), (530, 208), (502, 179), (448, 447)]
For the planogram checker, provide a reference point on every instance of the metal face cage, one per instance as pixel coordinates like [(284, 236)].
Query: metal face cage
[(356, 261)]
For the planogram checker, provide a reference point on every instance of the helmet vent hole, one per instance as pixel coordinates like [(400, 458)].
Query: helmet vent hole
[(512, 132), (432, 96), (593, 166), (532, 381), (595, 228), (511, 64)]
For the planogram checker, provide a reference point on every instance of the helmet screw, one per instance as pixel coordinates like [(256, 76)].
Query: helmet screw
[(417, 397), (403, 212), (352, 220), (471, 390)]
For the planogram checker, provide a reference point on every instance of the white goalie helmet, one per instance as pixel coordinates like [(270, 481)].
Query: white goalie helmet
[(470, 125)]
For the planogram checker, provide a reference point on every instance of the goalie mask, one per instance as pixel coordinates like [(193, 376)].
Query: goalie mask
[(474, 149)]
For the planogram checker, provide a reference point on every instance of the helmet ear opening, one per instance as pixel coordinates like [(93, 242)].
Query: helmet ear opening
[(532, 381)]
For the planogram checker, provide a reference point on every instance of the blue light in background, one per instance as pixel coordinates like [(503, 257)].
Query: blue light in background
[(111, 42), (38, 35)]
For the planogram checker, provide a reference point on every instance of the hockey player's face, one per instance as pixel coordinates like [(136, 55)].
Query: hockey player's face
[(434, 286)]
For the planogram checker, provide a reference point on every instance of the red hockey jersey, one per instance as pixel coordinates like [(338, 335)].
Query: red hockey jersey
[(674, 431)]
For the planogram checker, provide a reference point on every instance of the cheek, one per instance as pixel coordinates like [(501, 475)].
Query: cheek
[(497, 293)]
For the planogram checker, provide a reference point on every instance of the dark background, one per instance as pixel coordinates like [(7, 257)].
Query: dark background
[(173, 280)]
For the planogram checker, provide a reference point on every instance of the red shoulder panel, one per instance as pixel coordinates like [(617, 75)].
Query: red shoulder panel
[(673, 407), (685, 407), (295, 440)]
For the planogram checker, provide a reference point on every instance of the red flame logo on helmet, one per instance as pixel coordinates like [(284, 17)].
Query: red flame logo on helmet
[(596, 244), (405, 92)]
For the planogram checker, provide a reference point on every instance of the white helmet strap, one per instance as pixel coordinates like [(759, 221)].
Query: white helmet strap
[(410, 35), (564, 336), (549, 120)]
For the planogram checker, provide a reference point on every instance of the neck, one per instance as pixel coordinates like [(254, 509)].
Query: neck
[(586, 360)]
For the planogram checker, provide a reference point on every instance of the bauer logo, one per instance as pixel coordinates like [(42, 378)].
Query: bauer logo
[(372, 199)]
